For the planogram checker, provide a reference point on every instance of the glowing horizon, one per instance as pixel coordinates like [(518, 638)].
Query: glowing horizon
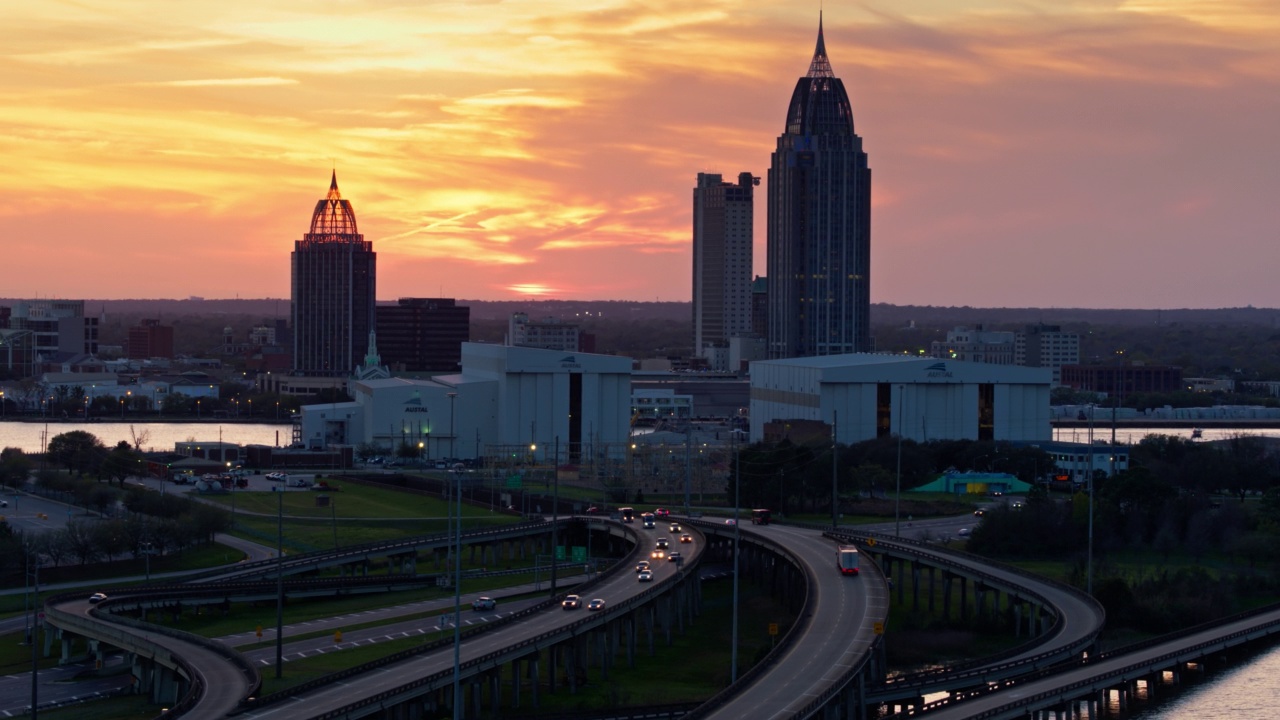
[(1034, 153)]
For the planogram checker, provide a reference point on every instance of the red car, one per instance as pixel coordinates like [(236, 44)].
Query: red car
[(662, 512)]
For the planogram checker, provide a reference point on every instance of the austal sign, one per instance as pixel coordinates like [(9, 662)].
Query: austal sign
[(938, 370)]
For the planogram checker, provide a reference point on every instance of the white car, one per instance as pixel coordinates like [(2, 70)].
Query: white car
[(730, 521), (484, 603), (645, 576)]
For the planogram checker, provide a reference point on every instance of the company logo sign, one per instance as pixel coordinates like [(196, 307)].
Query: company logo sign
[(570, 362), (938, 370), (414, 404)]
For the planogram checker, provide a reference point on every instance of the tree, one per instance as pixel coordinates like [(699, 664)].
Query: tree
[(15, 466), (122, 463), (77, 450)]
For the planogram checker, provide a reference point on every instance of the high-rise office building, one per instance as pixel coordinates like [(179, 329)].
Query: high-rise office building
[(722, 221), (819, 216), (334, 279), (423, 334)]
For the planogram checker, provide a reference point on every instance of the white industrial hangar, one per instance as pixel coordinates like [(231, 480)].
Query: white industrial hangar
[(504, 396), (871, 395)]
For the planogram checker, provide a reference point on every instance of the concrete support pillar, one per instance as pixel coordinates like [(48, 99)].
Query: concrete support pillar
[(533, 677), (947, 579), (964, 599), (932, 579), (915, 585), (516, 682)]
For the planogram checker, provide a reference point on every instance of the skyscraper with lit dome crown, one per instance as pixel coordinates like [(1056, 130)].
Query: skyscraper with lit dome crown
[(334, 272)]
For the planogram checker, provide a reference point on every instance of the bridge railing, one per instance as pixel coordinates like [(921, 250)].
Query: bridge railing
[(797, 629), (528, 645), (331, 678)]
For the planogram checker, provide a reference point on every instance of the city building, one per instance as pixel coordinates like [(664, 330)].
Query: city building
[(1046, 346), (1123, 380), (548, 334), (334, 280), (149, 339), (819, 223), (760, 307), (722, 245), (60, 331), (17, 352), (866, 396), (422, 334), (526, 401), (975, 345)]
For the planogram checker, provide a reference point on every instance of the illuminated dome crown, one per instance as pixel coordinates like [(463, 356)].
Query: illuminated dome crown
[(333, 215)]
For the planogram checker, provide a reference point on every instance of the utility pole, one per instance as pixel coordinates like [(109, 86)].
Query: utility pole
[(280, 583), (835, 460)]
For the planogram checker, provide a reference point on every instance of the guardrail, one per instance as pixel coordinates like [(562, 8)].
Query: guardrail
[(353, 551), (797, 629), (102, 629), (982, 668), (536, 641)]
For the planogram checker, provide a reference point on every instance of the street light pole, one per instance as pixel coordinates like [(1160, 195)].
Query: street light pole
[(737, 492), (35, 631), (457, 608), (897, 489), (555, 514), (452, 453), (280, 583)]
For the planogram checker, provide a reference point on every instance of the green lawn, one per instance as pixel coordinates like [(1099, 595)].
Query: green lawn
[(129, 707), (353, 501)]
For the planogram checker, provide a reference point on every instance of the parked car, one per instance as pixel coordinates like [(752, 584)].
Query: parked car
[(484, 603), (277, 476), (571, 602), (596, 604)]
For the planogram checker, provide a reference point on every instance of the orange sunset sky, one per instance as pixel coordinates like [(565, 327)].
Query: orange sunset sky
[(1052, 153)]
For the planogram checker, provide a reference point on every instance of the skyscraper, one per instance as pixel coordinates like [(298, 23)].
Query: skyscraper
[(334, 279), (819, 215), (722, 225)]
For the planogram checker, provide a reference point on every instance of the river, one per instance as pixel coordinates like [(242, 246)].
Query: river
[(31, 437), (1246, 690)]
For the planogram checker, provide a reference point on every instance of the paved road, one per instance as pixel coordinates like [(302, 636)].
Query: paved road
[(841, 630), (57, 685), (613, 590)]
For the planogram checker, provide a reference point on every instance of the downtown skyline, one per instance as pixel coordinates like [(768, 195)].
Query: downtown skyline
[(1065, 154)]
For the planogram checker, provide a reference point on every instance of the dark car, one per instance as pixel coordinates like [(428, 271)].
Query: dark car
[(571, 602), (596, 604), (662, 544), (661, 512), (686, 538), (979, 512), (675, 556), (642, 566)]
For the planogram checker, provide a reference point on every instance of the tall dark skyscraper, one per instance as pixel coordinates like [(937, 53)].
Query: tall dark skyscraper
[(334, 280), (819, 215)]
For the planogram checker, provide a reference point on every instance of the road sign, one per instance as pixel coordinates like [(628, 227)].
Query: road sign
[(258, 631), (878, 628), (559, 552), (337, 636), (579, 553), (514, 481), (871, 542), (773, 628)]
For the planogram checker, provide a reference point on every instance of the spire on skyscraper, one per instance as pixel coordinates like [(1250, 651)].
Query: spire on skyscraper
[(333, 216), (820, 66)]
